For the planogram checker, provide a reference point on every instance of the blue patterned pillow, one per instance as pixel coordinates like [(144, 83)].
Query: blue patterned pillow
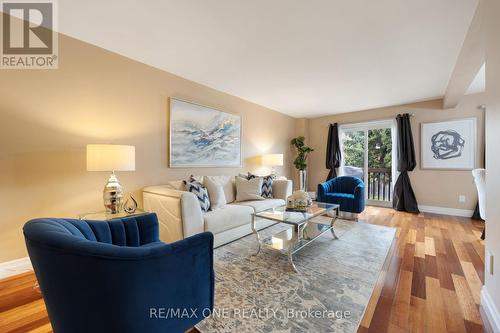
[(267, 185), (200, 191)]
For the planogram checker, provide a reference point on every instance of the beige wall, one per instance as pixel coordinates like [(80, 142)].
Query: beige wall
[(492, 282), (48, 116), (432, 188)]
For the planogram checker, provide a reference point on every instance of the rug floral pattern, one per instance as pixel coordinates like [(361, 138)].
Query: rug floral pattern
[(329, 294)]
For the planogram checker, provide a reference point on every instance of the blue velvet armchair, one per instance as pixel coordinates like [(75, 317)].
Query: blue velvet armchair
[(346, 191), (116, 276)]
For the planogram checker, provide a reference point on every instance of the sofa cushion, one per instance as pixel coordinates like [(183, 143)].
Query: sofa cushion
[(201, 193), (215, 193), (248, 189), (261, 205), (227, 217), (267, 184), (227, 183), (282, 189)]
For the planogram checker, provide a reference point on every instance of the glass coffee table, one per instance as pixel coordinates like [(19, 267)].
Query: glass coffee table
[(305, 228)]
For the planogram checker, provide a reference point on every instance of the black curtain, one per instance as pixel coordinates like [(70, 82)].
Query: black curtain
[(404, 198), (333, 155)]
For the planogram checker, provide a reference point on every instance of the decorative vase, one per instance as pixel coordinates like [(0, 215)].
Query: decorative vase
[(303, 180)]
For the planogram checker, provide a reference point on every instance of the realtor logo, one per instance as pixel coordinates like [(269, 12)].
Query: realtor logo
[(29, 40)]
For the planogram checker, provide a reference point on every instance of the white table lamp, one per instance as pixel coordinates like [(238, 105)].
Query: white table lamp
[(111, 158), (272, 160)]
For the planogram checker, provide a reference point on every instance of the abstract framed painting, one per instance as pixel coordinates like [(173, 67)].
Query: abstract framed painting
[(448, 145), (201, 136)]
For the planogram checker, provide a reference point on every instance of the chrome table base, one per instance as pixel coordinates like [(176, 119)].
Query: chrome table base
[(298, 237)]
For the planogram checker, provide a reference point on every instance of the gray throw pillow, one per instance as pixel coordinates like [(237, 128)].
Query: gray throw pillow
[(267, 185), (215, 193), (248, 189)]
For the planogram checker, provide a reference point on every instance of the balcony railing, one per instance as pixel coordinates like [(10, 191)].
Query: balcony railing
[(379, 184)]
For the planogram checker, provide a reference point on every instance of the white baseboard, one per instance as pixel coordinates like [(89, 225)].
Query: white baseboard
[(490, 310), (15, 267), (446, 211)]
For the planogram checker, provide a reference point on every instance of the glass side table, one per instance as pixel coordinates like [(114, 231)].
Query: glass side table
[(103, 216)]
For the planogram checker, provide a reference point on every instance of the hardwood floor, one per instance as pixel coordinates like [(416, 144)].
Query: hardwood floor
[(430, 283), (21, 306), (432, 280)]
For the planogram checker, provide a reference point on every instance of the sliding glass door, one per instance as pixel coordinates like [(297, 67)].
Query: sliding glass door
[(353, 153), (368, 153), (379, 180)]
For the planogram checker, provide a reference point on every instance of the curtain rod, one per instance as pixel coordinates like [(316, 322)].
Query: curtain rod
[(367, 121)]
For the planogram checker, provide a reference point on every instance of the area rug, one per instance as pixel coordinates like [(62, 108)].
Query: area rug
[(329, 294)]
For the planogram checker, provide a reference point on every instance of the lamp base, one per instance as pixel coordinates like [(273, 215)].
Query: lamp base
[(273, 172), (112, 195)]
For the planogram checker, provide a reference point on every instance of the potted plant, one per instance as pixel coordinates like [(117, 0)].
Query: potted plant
[(300, 161)]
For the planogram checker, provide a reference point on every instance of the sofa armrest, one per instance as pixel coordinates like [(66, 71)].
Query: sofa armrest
[(321, 192), (179, 212), (282, 188), (359, 196), (192, 217), (359, 190), (330, 186)]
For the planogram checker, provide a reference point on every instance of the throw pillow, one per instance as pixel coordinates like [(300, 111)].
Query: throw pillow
[(215, 193), (200, 192), (267, 185), (251, 176), (248, 189), (227, 183)]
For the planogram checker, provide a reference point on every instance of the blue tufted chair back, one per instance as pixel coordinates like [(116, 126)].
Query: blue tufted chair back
[(131, 231), (342, 184), (346, 184), (347, 191), (106, 276)]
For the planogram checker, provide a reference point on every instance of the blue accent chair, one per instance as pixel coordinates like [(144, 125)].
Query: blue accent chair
[(118, 277), (346, 191)]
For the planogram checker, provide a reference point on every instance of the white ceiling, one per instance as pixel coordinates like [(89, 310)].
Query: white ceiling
[(302, 58)]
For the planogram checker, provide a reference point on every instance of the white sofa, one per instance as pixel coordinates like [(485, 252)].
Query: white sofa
[(180, 215)]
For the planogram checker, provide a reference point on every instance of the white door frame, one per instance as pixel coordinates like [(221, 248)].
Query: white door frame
[(366, 126)]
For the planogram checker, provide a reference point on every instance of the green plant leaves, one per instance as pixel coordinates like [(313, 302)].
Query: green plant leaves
[(300, 161)]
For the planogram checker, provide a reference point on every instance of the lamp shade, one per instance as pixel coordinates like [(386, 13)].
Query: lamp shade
[(272, 159), (110, 158)]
